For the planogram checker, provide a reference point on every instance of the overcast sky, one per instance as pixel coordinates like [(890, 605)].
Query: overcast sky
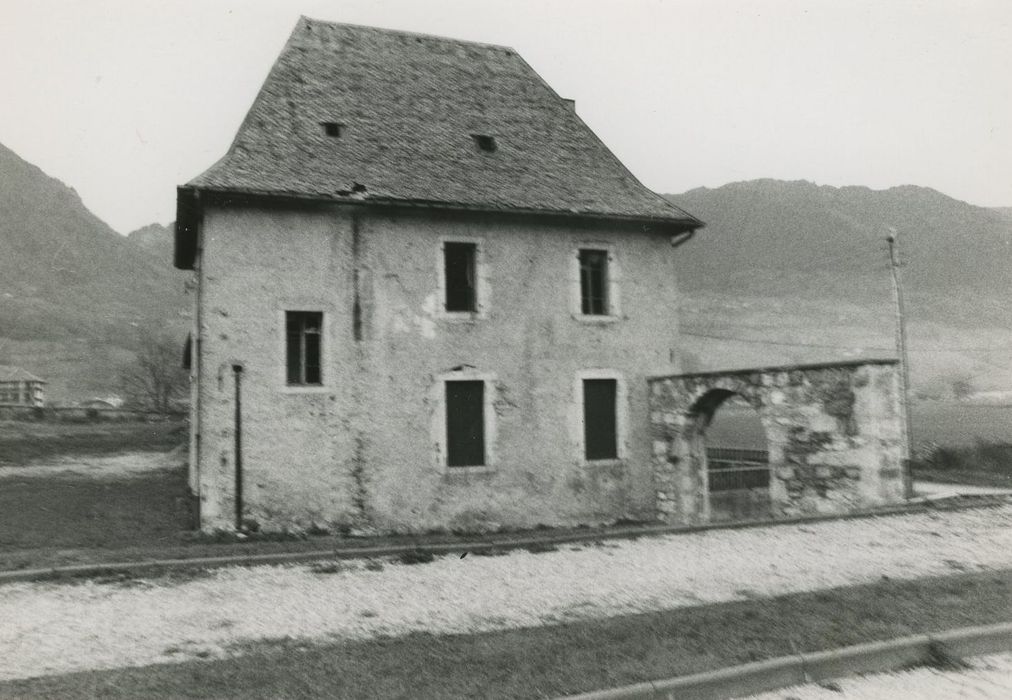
[(125, 99)]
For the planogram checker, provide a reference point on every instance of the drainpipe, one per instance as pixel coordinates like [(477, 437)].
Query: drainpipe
[(901, 350), (237, 374), (682, 237)]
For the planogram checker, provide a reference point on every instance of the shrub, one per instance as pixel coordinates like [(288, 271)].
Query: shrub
[(994, 457), (540, 547), (415, 556), (327, 567)]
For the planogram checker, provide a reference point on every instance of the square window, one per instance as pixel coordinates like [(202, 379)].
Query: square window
[(304, 330), (465, 423), (594, 282), (460, 275), (600, 434)]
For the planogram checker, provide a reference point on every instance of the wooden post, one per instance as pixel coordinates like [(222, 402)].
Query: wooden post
[(901, 349)]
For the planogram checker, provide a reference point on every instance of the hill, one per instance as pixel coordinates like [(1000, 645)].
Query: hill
[(769, 237), (73, 292), (156, 241), (796, 272)]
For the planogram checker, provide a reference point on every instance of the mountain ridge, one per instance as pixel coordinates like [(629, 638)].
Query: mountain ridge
[(795, 237), (74, 293)]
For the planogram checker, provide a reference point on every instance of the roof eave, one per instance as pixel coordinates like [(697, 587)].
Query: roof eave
[(669, 224)]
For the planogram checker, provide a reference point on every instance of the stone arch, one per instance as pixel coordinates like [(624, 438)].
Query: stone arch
[(733, 465), (834, 436)]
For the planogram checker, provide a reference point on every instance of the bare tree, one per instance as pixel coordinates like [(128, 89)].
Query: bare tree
[(156, 379), (962, 387)]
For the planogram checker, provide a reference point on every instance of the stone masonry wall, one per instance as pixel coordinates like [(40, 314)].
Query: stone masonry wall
[(834, 435)]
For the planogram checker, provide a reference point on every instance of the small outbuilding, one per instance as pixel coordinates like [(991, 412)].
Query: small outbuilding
[(19, 387)]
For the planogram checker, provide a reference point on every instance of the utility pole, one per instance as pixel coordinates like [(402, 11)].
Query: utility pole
[(901, 350)]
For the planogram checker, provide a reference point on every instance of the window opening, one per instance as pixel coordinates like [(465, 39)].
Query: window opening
[(600, 419), (465, 423), (459, 266), (304, 330), (594, 282)]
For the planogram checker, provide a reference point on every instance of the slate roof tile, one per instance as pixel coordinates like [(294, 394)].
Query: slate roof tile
[(409, 106)]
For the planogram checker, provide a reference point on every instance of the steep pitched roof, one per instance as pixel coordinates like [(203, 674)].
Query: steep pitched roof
[(409, 107), (16, 374)]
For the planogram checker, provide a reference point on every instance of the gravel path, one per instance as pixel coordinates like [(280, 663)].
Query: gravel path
[(48, 628), (990, 677)]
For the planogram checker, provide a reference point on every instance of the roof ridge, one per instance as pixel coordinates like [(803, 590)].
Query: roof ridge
[(303, 20), (631, 174)]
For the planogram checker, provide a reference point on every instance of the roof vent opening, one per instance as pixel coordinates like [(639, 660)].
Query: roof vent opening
[(333, 129), (485, 143)]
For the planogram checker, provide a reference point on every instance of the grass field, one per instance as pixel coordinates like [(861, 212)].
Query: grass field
[(64, 517), (558, 659), (23, 442), (67, 511)]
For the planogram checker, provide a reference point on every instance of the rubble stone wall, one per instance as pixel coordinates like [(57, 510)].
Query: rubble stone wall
[(834, 434)]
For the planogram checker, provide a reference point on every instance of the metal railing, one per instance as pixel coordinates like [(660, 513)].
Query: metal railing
[(735, 469)]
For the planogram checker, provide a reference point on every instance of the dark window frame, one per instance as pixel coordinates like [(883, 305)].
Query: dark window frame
[(460, 277), (595, 278), (485, 142), (600, 419), (304, 348), (466, 434), (334, 130)]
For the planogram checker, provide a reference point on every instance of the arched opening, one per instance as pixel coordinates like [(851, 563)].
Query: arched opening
[(731, 444)]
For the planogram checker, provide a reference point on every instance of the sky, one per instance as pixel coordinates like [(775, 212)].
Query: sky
[(126, 99)]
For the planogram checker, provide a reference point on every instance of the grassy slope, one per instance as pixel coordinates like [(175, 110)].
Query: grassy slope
[(566, 658)]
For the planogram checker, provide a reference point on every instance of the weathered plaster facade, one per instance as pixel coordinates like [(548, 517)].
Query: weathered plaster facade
[(363, 449), (834, 435)]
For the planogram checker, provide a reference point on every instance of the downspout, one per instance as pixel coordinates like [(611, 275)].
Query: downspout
[(358, 458), (196, 358), (237, 373), (683, 237)]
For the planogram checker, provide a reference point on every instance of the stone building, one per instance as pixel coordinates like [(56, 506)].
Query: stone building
[(19, 387), (427, 297)]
